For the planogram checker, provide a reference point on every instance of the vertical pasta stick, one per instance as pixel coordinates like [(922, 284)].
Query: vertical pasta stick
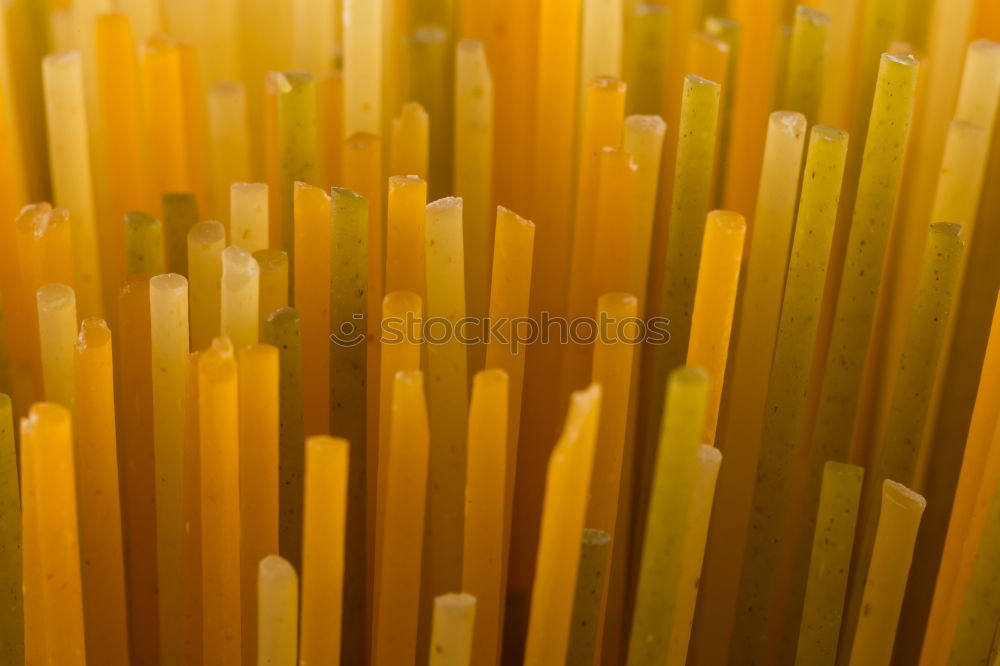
[(70, 163), (601, 35), (35, 632), (144, 253), (509, 294), (753, 96), (410, 139), (316, 25), (829, 564), (709, 459), (283, 330), (563, 516), (190, 565), (511, 49), (220, 503), (363, 174), (194, 120), (122, 132), (273, 282), (259, 414), (645, 59), (180, 213), (323, 549), (311, 261), (191, 575), (397, 583), (836, 107), (47, 433), (57, 330), (643, 140), (363, 67), (430, 64), (451, 636), (885, 579), (265, 47), (163, 99), (27, 40), (12, 637), (669, 511), (349, 380), (404, 240), (486, 500), (229, 146), (240, 297), (169, 334), (277, 618), (330, 128), (807, 62), (612, 369), (96, 458), (271, 159), (692, 188), (447, 398), (601, 127), (396, 20), (6, 378), (206, 241), (781, 62), (296, 97), (134, 416), (400, 341), (248, 223), (710, 58), (615, 215), (730, 32), (11, 201), (473, 175), (595, 552), (714, 302)]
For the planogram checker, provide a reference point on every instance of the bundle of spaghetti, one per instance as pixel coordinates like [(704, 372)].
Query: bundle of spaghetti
[(469, 333)]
